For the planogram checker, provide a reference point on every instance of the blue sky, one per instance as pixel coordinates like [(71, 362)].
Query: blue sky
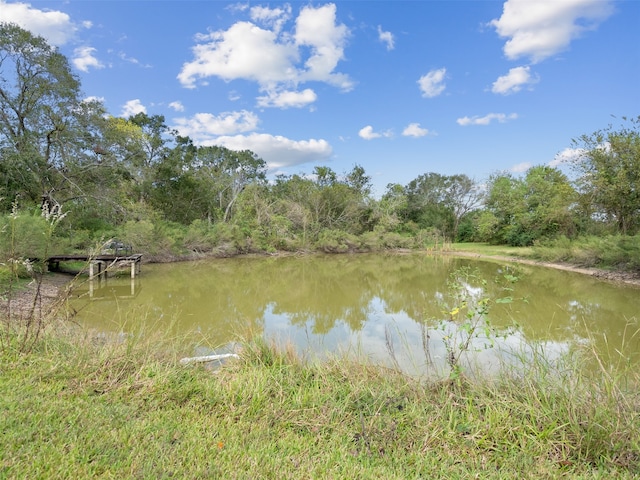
[(400, 87)]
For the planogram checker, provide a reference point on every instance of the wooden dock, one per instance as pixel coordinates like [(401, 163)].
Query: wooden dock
[(99, 264)]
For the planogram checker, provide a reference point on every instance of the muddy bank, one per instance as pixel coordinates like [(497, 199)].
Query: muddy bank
[(38, 297), (612, 276)]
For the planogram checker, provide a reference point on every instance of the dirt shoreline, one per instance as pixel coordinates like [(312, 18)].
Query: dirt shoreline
[(627, 278), (36, 297)]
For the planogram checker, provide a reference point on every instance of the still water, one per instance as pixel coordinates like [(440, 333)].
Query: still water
[(392, 309)]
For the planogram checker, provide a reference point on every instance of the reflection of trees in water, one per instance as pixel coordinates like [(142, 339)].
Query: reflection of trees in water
[(564, 304), (412, 284), (234, 295), (325, 290), (314, 290), (334, 289)]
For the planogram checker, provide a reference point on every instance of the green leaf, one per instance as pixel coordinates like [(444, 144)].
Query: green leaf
[(504, 300)]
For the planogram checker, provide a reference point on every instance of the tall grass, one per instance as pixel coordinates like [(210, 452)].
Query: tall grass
[(82, 406), (26, 242), (621, 252)]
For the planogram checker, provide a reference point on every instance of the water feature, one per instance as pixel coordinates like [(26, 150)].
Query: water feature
[(390, 308)]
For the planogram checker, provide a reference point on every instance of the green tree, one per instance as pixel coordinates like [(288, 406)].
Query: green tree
[(609, 174), (341, 203), (441, 201), (146, 148), (174, 187), (549, 202), (519, 211), (223, 175), (41, 126), (504, 205), (391, 209), (324, 201)]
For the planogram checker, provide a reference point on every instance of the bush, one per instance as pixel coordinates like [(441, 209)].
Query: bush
[(140, 235), (429, 237), (516, 236), (618, 251), (160, 240), (23, 236), (281, 234), (199, 237), (396, 240), (336, 241)]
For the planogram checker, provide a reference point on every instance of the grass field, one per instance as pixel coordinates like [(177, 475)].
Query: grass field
[(78, 406)]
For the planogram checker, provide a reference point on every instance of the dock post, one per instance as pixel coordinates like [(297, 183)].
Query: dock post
[(92, 267), (133, 269)]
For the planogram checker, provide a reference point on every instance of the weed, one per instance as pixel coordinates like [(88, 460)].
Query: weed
[(23, 324), (467, 326), (124, 407)]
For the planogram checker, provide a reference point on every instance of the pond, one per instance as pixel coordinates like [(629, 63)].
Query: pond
[(403, 310)]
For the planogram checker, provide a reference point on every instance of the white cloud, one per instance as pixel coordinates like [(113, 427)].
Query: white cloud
[(288, 99), (55, 26), (83, 58), (273, 17), (568, 155), (513, 81), (386, 38), (415, 130), (432, 84), (203, 127), (368, 134), (132, 60), (132, 107), (521, 167), (541, 29), (487, 119), (225, 130), (278, 151), (274, 59), (93, 98), (244, 51), (317, 28), (177, 106)]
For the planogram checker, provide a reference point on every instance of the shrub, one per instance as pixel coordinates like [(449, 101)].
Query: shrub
[(23, 236), (336, 241), (617, 251), (199, 237)]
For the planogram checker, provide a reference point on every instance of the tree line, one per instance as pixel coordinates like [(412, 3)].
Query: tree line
[(139, 180)]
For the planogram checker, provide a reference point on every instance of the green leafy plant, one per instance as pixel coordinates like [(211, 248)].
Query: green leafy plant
[(24, 323), (467, 315)]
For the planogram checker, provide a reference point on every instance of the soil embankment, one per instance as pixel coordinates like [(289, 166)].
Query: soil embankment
[(613, 276), (36, 298)]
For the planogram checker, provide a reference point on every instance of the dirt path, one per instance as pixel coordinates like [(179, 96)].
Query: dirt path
[(618, 277)]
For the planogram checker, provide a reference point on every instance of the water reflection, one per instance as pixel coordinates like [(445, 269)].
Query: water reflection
[(367, 304), (103, 288)]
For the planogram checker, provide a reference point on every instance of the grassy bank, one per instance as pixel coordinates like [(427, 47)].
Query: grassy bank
[(492, 250), (618, 253), (80, 406)]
